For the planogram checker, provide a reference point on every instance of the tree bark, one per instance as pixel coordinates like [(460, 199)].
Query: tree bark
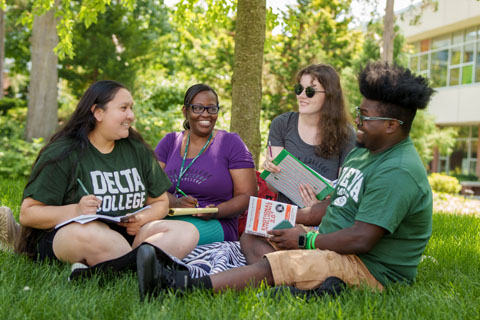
[(247, 73), (42, 115), (388, 32), (2, 49)]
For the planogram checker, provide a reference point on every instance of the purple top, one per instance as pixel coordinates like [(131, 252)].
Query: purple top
[(208, 179)]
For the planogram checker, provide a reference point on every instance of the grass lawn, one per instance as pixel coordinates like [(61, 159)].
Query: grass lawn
[(447, 287)]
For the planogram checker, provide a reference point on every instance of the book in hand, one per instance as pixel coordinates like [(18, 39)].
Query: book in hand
[(86, 218), (294, 173), (264, 215), (190, 211)]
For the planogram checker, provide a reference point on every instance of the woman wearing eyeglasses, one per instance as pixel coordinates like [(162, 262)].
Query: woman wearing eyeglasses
[(320, 134), (207, 168)]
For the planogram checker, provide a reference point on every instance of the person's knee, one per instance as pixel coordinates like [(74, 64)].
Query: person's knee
[(246, 241), (85, 235), (254, 247), (170, 229)]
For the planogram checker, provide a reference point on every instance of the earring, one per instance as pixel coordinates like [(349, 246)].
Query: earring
[(186, 124)]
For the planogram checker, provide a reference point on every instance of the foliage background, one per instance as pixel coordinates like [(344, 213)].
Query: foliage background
[(158, 52)]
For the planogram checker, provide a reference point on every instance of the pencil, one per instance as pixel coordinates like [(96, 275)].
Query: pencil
[(83, 187), (270, 149)]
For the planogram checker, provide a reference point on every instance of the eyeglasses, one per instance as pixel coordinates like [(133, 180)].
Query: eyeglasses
[(362, 118), (309, 91), (198, 109)]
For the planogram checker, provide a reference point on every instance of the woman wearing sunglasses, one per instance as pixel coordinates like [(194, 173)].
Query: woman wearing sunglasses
[(207, 168), (320, 134)]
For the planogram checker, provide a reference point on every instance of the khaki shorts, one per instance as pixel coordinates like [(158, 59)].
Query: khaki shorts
[(307, 269)]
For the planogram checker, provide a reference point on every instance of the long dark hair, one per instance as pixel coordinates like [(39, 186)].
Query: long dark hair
[(333, 127), (191, 93), (77, 129)]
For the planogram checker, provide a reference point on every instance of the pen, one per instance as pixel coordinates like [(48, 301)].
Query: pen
[(83, 187), (270, 149), (185, 195)]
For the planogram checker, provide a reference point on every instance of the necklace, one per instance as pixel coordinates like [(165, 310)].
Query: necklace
[(182, 169)]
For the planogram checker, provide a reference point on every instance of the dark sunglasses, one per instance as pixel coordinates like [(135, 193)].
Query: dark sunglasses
[(198, 109), (309, 91)]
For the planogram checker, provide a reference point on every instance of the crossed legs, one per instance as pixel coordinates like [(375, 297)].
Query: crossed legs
[(95, 242)]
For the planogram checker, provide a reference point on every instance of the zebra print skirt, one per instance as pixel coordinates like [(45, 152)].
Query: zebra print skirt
[(213, 258)]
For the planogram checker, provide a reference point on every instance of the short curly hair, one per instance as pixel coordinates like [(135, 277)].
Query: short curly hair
[(399, 91)]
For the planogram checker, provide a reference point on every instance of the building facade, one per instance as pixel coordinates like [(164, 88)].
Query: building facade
[(446, 49)]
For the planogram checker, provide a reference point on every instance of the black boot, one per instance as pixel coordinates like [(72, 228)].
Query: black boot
[(114, 267), (156, 272)]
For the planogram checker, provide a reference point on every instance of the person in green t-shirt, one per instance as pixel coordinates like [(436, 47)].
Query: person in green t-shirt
[(98, 164), (374, 227)]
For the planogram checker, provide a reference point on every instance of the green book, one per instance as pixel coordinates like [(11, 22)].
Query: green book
[(293, 174)]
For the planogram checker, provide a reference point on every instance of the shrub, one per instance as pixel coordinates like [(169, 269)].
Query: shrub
[(10, 103), (444, 183), (16, 154), (464, 177)]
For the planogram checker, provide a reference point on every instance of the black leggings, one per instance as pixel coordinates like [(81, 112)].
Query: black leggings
[(45, 242)]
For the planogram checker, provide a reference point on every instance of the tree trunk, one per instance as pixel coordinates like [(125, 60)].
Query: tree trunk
[(42, 115), (388, 32), (2, 49), (247, 73)]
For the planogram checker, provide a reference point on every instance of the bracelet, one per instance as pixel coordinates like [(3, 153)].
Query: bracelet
[(309, 237), (312, 244)]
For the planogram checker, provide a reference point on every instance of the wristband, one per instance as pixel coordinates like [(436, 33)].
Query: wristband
[(312, 243), (309, 238)]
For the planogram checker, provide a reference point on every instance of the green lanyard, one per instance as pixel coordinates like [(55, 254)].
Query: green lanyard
[(182, 170)]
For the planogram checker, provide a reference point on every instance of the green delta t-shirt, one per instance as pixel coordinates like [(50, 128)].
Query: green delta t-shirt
[(390, 190), (123, 178)]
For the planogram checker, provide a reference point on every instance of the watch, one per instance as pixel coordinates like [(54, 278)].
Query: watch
[(302, 240)]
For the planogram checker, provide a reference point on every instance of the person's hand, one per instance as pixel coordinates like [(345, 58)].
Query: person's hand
[(186, 202), (308, 195), (286, 239), (88, 204), (207, 216), (133, 224), (269, 165)]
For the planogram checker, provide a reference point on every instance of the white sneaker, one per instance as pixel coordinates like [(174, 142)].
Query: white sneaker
[(78, 265), (9, 228)]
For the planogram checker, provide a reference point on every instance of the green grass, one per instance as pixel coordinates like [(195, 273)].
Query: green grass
[(447, 287)]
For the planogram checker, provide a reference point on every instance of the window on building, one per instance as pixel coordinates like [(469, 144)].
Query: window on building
[(440, 42), (467, 61), (450, 59), (425, 45), (477, 64), (439, 68), (463, 159), (454, 76), (471, 34), (414, 63)]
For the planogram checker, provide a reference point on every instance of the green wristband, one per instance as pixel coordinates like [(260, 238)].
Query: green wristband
[(309, 237), (312, 244)]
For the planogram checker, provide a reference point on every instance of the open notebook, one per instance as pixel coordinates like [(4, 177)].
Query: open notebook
[(85, 218)]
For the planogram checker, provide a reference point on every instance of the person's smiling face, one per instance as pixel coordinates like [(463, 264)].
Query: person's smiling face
[(314, 104), (201, 124), (115, 120), (371, 134)]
